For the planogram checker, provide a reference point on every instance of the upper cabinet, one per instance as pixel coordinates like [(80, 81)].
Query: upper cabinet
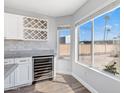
[(25, 28), (12, 24)]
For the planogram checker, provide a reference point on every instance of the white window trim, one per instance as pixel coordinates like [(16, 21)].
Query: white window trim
[(92, 44), (107, 74)]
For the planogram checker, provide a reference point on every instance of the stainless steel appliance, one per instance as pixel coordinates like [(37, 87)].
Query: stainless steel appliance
[(43, 67)]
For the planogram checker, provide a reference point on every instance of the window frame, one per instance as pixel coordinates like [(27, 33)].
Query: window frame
[(77, 41), (92, 67)]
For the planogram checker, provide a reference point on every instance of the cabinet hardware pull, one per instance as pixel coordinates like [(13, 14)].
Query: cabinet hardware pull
[(23, 60)]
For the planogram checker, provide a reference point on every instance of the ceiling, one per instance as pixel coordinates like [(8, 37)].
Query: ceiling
[(54, 8)]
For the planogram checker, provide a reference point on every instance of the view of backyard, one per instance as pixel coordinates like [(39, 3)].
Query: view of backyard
[(101, 59)]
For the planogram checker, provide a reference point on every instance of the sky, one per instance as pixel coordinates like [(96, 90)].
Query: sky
[(99, 27), (64, 32)]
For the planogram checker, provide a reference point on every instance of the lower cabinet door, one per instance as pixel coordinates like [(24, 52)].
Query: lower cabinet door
[(9, 82), (22, 74), (12, 79)]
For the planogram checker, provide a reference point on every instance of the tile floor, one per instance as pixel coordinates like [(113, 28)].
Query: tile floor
[(62, 84)]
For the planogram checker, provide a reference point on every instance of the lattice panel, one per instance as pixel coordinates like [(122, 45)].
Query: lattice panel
[(35, 34), (35, 23)]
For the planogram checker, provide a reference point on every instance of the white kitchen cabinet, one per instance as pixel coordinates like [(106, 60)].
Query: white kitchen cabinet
[(9, 82), (13, 26), (25, 28), (23, 73), (20, 28)]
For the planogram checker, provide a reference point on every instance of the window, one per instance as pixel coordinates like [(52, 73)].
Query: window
[(64, 43), (101, 42), (84, 43), (106, 39)]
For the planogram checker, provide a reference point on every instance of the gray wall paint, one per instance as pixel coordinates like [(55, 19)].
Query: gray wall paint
[(90, 7), (65, 20)]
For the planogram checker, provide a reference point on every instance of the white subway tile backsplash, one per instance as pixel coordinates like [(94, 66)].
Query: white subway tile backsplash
[(16, 45)]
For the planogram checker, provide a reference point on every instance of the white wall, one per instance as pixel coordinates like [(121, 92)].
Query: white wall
[(64, 66), (65, 20), (90, 7), (95, 81)]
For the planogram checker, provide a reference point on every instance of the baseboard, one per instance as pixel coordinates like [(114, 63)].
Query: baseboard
[(90, 88), (15, 87)]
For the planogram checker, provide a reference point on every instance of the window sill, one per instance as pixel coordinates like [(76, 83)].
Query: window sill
[(107, 74)]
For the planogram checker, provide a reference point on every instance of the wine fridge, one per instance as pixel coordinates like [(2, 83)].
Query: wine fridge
[(43, 67)]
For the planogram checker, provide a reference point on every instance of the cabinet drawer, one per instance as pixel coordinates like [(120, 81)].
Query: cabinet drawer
[(22, 60), (9, 61)]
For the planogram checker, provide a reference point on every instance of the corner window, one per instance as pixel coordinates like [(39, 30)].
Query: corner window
[(84, 43), (107, 40), (64, 43), (99, 40)]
